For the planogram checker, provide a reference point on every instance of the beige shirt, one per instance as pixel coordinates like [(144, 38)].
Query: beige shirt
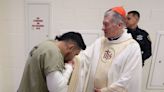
[(43, 59)]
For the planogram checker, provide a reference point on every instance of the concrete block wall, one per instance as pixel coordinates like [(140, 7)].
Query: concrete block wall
[(11, 44), (65, 14)]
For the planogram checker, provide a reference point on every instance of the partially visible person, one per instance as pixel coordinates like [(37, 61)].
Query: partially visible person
[(140, 35), (113, 62), (49, 65)]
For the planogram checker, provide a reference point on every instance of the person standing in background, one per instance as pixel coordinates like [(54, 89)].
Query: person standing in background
[(140, 35)]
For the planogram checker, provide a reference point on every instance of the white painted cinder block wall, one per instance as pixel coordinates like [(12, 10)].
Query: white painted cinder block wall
[(12, 57), (66, 14)]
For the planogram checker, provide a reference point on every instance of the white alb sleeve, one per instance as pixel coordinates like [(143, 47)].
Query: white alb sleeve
[(57, 81)]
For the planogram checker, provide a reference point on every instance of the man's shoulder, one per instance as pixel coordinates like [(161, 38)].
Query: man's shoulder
[(48, 46), (100, 39), (133, 43), (143, 31), (48, 43)]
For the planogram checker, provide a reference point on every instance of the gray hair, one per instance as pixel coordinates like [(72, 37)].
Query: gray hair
[(116, 17)]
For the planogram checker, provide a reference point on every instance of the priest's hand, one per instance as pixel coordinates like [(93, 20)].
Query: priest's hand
[(97, 90)]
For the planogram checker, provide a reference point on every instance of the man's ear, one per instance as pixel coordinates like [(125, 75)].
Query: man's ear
[(120, 25)]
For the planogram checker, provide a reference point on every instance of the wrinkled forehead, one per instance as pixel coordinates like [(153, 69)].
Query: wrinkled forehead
[(108, 18)]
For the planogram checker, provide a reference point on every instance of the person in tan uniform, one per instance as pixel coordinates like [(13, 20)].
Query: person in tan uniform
[(47, 69)]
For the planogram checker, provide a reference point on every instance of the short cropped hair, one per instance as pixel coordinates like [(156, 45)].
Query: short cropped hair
[(116, 17), (135, 13), (73, 36)]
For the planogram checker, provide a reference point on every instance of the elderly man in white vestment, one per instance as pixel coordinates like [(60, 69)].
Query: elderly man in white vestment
[(113, 63)]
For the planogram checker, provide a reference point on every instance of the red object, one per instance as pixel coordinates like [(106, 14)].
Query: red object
[(120, 10)]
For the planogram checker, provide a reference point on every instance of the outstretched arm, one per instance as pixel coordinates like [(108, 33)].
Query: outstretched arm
[(57, 81)]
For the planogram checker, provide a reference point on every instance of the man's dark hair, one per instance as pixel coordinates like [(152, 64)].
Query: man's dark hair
[(135, 13), (73, 36)]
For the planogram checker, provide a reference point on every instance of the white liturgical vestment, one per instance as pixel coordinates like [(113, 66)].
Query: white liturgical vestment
[(112, 66)]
